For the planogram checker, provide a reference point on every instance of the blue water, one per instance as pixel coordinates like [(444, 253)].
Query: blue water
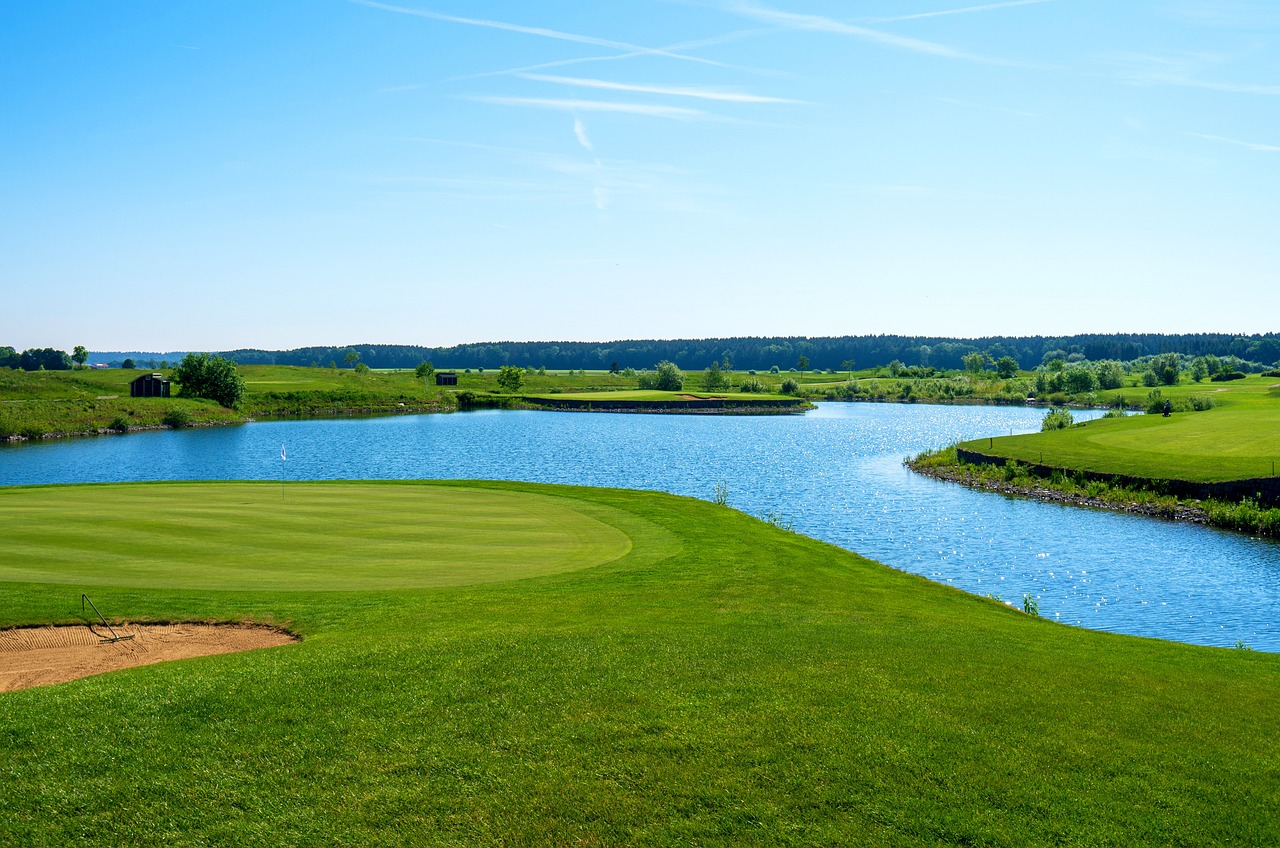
[(835, 474)]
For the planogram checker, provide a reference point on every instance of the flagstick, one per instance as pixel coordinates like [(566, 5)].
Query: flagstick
[(283, 459)]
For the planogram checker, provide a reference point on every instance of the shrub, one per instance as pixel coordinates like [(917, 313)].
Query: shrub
[(665, 378), (1223, 376), (203, 375), (752, 385), (1271, 373), (790, 387), (177, 418), (1057, 419), (120, 424)]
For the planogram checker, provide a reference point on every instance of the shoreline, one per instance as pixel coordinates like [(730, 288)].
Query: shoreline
[(1189, 511)]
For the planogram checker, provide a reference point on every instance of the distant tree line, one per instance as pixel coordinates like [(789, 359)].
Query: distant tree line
[(785, 352), (37, 359)]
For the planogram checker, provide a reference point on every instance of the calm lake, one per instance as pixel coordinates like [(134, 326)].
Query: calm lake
[(835, 474)]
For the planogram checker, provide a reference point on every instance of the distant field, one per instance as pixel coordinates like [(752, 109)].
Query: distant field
[(664, 671), (1238, 439)]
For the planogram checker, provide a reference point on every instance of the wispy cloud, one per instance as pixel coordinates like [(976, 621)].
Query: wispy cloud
[(1250, 145), (1182, 70), (990, 7), (699, 92), (580, 132), (671, 48), (567, 105), (540, 32), (817, 23)]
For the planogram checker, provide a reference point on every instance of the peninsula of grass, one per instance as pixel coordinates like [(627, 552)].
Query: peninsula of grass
[(1238, 439), (498, 663), (660, 401)]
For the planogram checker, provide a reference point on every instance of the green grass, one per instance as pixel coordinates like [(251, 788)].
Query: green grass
[(722, 682), (659, 396), (321, 536), (1238, 439)]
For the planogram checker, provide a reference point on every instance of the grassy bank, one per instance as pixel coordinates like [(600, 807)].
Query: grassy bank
[(1077, 489), (1239, 438), (698, 677)]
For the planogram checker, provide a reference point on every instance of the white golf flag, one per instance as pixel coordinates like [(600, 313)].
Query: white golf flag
[(282, 456)]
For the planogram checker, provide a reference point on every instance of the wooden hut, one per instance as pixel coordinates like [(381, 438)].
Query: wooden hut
[(446, 378), (149, 385)]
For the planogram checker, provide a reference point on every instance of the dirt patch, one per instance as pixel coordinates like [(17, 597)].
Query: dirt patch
[(702, 397), (41, 656)]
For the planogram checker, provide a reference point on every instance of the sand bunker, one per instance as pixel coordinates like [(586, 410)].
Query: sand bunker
[(40, 656)]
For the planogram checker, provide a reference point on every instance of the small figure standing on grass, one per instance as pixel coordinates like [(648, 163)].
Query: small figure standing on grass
[(1168, 408)]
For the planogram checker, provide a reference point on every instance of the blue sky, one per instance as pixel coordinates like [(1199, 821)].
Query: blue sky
[(210, 175)]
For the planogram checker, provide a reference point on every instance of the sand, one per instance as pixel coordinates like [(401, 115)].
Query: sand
[(41, 656)]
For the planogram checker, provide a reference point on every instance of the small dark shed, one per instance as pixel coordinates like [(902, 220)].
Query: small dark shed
[(149, 385), (446, 378)]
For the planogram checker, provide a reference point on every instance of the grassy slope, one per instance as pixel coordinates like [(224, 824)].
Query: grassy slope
[(723, 683), (1239, 438)]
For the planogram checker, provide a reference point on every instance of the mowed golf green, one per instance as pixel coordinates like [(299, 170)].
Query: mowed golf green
[(718, 682), (296, 536)]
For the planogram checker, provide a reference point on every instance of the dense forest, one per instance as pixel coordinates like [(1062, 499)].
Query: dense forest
[(759, 353)]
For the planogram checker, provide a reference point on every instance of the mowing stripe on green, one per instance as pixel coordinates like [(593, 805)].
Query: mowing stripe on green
[(302, 536)]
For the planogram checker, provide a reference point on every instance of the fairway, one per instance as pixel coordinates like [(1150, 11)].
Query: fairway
[(297, 537), (715, 680)]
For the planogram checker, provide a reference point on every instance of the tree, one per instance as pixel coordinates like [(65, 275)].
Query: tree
[(803, 363), (44, 359), (848, 366), (424, 371), (79, 355), (128, 365), (203, 375), (9, 357), (895, 367), (1110, 374), (350, 358), (713, 379), (1167, 367), (666, 378), (975, 362), (614, 367), (1079, 379), (510, 378), (1199, 369), (1006, 367)]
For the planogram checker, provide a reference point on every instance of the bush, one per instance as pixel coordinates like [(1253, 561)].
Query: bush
[(753, 385), (1224, 376), (177, 418), (1057, 419), (120, 424), (790, 387), (665, 378), (510, 378), (203, 375), (1272, 373)]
